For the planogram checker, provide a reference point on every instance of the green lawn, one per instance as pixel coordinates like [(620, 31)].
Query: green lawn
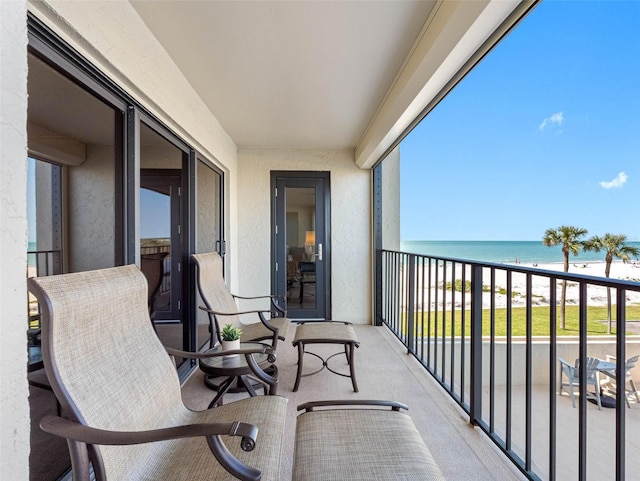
[(540, 321)]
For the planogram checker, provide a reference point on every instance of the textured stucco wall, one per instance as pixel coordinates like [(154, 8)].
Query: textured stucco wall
[(44, 211), (91, 212), (391, 200), (165, 157), (14, 406), (350, 224)]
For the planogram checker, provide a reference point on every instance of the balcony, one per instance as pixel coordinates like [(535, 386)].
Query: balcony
[(384, 371), (507, 385), (499, 417)]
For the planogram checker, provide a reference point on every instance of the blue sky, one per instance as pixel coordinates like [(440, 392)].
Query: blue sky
[(545, 131)]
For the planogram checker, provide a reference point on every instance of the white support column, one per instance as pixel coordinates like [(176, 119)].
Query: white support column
[(14, 402)]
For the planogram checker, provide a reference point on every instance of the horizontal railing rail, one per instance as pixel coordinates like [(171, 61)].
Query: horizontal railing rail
[(156, 246), (44, 262), (471, 325)]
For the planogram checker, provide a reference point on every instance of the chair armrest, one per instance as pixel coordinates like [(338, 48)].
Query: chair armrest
[(248, 352), (237, 296), (68, 429), (564, 363), (77, 432), (275, 299), (219, 313), (310, 406), (346, 323), (610, 358), (260, 313)]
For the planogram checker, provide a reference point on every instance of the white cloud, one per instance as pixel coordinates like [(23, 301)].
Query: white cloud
[(619, 181), (557, 118)]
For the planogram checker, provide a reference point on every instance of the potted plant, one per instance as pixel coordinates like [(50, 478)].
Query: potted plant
[(230, 337)]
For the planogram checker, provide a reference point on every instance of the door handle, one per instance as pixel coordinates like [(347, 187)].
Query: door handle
[(319, 253)]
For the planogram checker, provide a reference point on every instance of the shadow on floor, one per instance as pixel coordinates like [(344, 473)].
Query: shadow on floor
[(49, 456)]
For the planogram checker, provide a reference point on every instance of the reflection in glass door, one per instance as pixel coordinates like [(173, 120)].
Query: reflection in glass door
[(300, 211), (159, 239), (155, 246), (209, 230), (162, 164), (301, 243)]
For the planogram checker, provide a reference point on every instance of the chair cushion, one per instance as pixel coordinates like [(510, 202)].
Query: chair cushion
[(360, 445), (256, 331), (191, 459)]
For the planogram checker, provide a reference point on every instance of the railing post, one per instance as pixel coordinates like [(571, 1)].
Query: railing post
[(475, 401), (411, 291), (621, 356), (377, 241), (582, 375), (378, 291)]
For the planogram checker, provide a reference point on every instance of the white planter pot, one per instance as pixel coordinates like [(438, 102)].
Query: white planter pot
[(231, 346)]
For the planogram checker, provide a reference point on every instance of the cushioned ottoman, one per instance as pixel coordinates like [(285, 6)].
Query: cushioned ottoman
[(340, 442)]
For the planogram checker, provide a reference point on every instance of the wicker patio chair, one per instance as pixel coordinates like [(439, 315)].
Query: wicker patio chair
[(121, 392), (220, 305)]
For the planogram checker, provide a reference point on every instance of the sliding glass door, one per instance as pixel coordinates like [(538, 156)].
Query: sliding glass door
[(209, 229)]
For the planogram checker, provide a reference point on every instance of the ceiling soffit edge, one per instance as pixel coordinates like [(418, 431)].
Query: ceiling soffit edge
[(412, 97)]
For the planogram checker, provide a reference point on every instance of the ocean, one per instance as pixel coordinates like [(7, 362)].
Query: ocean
[(489, 251), (31, 258), (526, 252)]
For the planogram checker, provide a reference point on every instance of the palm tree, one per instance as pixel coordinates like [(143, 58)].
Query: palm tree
[(569, 237), (615, 246)]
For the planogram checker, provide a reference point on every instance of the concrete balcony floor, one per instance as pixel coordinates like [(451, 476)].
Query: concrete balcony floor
[(383, 371)]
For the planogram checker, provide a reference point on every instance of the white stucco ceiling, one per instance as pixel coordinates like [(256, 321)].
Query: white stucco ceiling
[(293, 74), (321, 74), (316, 74)]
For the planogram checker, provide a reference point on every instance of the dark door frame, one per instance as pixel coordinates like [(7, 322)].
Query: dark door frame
[(278, 263)]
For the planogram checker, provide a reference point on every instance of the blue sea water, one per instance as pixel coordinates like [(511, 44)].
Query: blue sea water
[(489, 251), (31, 258), (507, 252)]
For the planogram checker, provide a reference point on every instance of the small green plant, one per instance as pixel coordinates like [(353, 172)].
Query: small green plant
[(231, 333)]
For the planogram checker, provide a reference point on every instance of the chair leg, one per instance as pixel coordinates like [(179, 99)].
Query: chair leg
[(569, 390), (635, 391), (598, 397), (299, 373), (352, 368), (573, 396)]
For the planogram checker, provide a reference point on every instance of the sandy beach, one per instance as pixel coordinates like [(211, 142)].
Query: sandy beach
[(597, 295)]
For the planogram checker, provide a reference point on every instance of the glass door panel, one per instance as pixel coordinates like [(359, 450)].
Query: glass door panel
[(161, 164), (209, 230), (301, 243), (300, 211), (155, 244), (72, 200)]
